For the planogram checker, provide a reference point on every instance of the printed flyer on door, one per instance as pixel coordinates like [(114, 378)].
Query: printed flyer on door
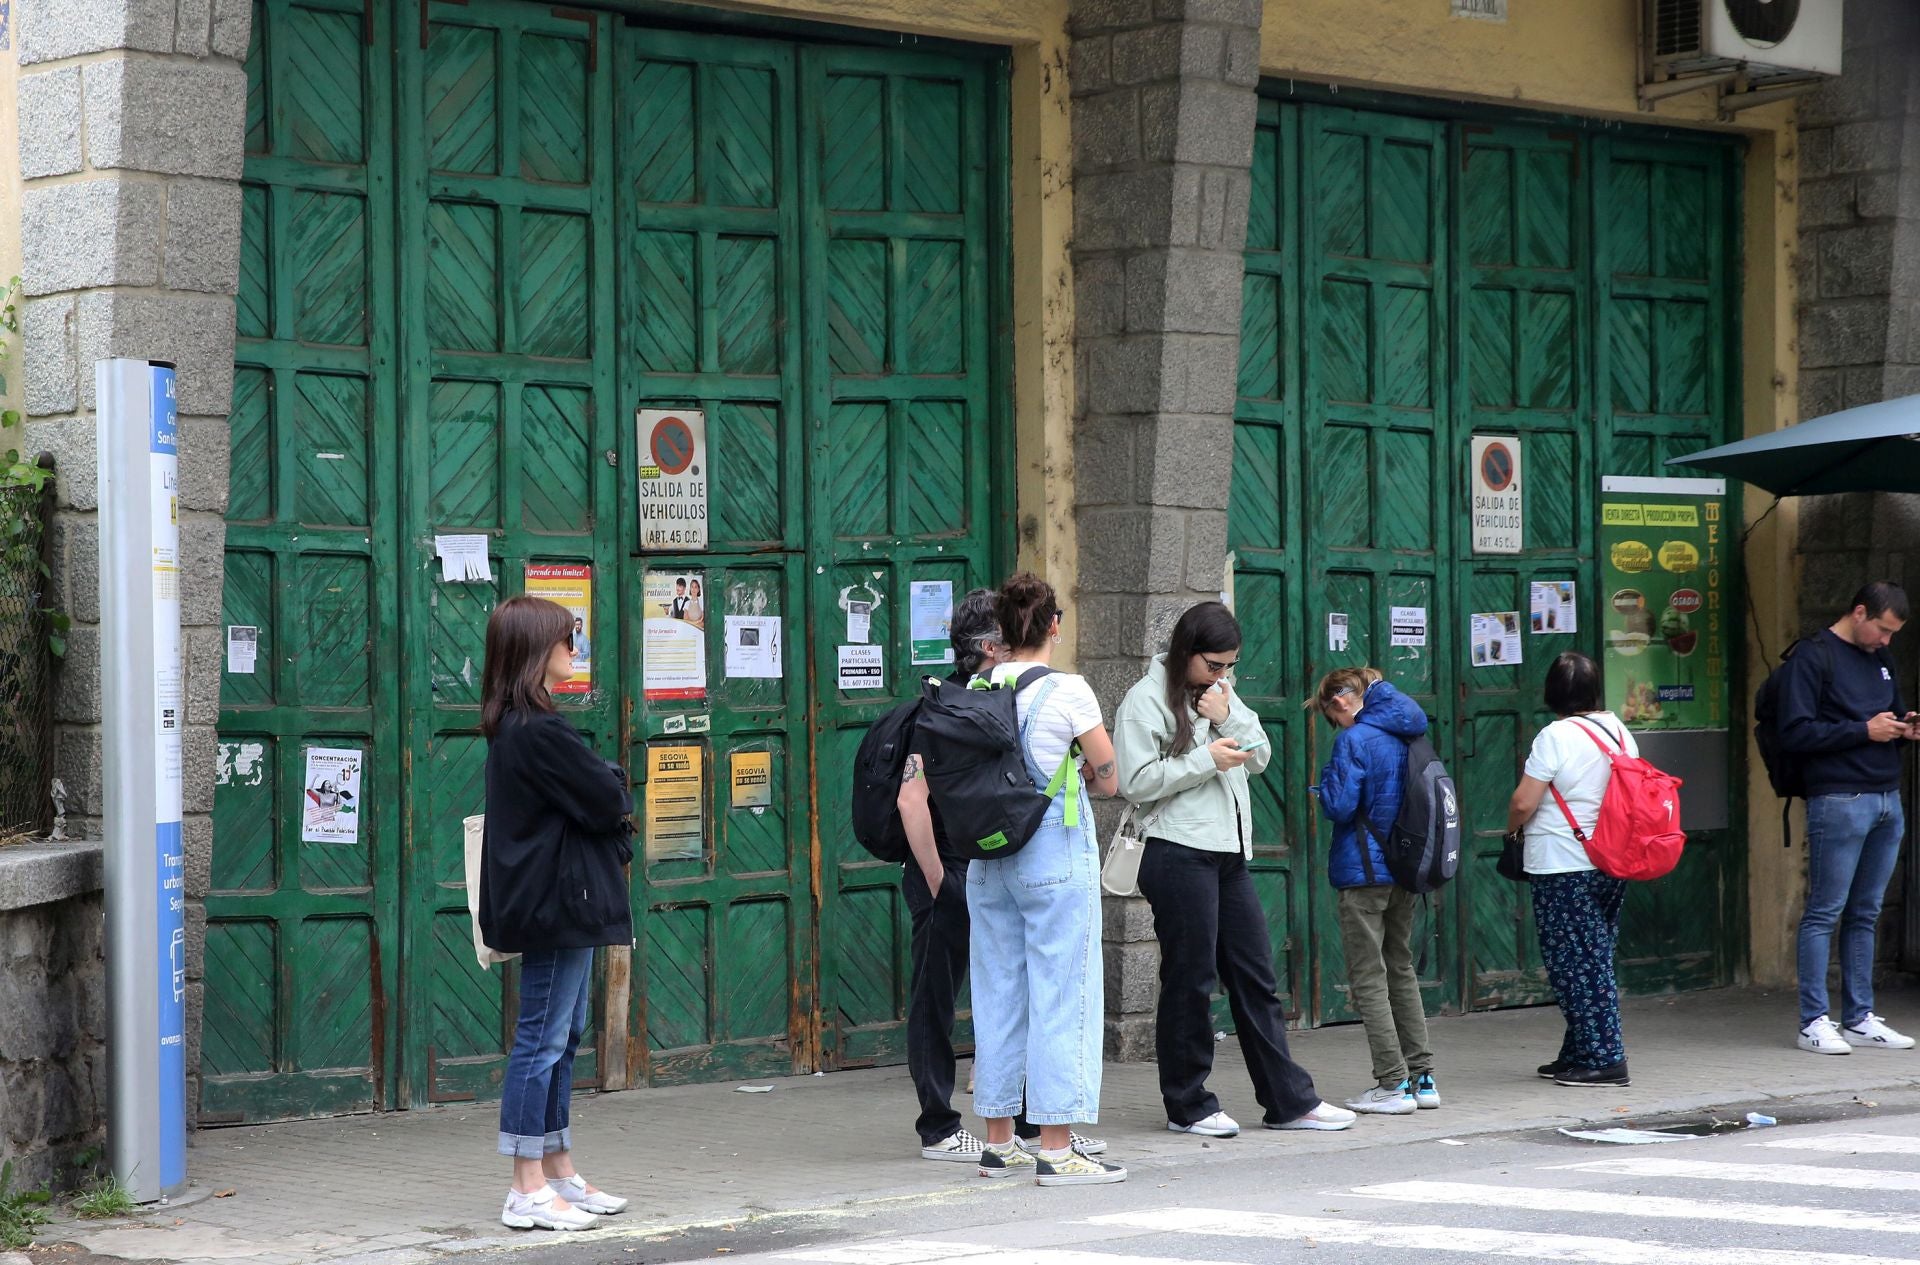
[(572, 587), (674, 638), (330, 807), (1663, 609)]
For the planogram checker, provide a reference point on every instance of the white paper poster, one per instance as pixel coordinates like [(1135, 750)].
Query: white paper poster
[(1553, 608), (930, 616), (859, 621), (1498, 520), (673, 636), (861, 668), (1337, 631), (463, 559), (243, 646), (1496, 639), (330, 807), (753, 646), (1409, 626), (672, 481)]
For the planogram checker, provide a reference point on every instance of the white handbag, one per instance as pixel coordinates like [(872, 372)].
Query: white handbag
[(1120, 872), (475, 827)]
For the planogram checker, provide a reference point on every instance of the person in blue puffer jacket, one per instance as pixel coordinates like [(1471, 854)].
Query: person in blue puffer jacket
[(1360, 792)]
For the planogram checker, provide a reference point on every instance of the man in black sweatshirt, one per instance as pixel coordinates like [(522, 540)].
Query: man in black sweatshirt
[(1841, 716)]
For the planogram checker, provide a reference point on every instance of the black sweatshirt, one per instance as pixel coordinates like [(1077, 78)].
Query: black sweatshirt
[(558, 838), (1829, 690)]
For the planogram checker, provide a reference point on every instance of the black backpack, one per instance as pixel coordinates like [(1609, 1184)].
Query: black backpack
[(977, 775), (876, 783), (1423, 847)]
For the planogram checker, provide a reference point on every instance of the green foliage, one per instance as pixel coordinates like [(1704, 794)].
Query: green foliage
[(103, 1197), (21, 1211)]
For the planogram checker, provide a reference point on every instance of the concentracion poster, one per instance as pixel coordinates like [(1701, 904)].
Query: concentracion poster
[(1663, 609)]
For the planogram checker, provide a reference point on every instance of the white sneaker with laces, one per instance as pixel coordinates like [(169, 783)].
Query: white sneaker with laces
[(1873, 1033), (1822, 1036), (574, 1190), (1080, 1142), (537, 1211), (1217, 1125), (1379, 1100), (960, 1146), (1326, 1118)]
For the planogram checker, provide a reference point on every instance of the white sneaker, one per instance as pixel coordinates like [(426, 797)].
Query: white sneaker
[(1822, 1036), (1873, 1033), (538, 1212), (574, 1191), (1326, 1117), (1381, 1101), (961, 1147), (1217, 1125), (1079, 1142)]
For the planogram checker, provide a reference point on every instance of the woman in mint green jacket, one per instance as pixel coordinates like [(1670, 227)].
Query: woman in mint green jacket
[(1186, 745)]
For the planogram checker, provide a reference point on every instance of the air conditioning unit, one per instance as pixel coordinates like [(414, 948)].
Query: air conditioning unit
[(1742, 47)]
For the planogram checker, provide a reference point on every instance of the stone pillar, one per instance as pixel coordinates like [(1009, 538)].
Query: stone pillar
[(132, 117), (1860, 335), (1163, 125)]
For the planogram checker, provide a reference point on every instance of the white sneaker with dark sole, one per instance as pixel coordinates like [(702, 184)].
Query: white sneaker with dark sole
[(575, 1190), (1822, 1036), (1872, 1033), (961, 1147), (1080, 1142), (538, 1212), (1217, 1125)]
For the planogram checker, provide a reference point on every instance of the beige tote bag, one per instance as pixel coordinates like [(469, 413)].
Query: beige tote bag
[(475, 833)]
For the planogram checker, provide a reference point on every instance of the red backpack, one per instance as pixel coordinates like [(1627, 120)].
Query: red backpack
[(1638, 835)]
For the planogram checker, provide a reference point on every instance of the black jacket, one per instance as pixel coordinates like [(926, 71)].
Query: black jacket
[(1829, 689), (558, 839)]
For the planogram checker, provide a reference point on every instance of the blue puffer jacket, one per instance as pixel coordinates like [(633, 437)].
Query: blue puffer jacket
[(1367, 773)]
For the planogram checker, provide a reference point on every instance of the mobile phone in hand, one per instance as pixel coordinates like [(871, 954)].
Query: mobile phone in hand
[(1254, 745)]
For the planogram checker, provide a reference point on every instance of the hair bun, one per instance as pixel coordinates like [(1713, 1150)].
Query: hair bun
[(1027, 607)]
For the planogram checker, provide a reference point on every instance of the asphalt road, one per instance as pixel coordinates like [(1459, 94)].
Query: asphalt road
[(1845, 1187)]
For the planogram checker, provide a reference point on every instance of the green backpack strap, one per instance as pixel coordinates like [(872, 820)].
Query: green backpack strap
[(1067, 778)]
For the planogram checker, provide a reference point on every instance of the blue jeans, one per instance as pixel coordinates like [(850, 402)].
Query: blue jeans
[(1853, 842), (536, 1099), (1038, 983)]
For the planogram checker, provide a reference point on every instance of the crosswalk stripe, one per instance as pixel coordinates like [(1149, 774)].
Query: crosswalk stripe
[(1771, 1174), (921, 1251), (1591, 1250), (1536, 1199), (1847, 1143)]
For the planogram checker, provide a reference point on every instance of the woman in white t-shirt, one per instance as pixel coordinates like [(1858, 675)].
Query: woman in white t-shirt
[(1576, 908), (1038, 996)]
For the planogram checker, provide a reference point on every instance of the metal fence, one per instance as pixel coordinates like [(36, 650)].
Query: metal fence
[(26, 663)]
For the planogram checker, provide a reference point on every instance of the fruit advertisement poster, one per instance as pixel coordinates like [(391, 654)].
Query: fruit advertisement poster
[(1663, 609)]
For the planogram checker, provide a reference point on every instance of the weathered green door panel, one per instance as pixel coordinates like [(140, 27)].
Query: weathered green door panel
[(302, 937), (903, 410), (507, 360)]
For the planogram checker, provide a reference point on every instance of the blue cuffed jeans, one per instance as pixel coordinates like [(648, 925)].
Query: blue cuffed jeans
[(536, 1100), (1038, 983), (1853, 842)]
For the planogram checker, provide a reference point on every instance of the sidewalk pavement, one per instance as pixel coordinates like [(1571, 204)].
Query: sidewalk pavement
[(426, 1186)]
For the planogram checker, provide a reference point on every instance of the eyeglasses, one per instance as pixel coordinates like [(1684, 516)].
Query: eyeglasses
[(1217, 666), (1327, 706)]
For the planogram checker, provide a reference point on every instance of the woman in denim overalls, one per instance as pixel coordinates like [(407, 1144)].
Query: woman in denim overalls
[(1038, 999)]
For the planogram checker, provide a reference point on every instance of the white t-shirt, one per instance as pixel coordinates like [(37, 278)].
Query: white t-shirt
[(1070, 710), (1564, 753)]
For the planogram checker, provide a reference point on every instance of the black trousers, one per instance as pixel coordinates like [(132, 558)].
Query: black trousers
[(1211, 929), (940, 929)]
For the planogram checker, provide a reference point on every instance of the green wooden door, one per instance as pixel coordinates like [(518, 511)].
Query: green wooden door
[(507, 413), (903, 401), (302, 938)]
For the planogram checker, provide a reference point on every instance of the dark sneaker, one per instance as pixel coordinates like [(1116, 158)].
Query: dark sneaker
[(1077, 1170), (1007, 1161), (1613, 1076), (1548, 1071)]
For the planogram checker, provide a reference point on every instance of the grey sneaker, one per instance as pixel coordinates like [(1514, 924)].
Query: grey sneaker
[(540, 1211), (576, 1191), (1077, 1170), (1426, 1094), (1081, 1143), (1009, 1161), (961, 1146), (1382, 1101)]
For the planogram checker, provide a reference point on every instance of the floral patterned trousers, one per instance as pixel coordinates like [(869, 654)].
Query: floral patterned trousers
[(1578, 918)]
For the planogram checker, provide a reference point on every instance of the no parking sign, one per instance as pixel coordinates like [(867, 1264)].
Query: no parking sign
[(1498, 523), (672, 484)]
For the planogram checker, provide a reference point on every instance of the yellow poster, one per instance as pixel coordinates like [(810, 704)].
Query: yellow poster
[(752, 779), (676, 794), (572, 587)]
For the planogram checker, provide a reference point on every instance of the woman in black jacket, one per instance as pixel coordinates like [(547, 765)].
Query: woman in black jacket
[(553, 886)]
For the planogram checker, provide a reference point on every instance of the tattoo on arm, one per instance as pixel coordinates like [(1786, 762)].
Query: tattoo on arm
[(1104, 771), (911, 770)]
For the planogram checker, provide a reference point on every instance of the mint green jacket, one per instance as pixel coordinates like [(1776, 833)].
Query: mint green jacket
[(1181, 796)]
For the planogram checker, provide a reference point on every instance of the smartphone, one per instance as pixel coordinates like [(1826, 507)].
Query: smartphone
[(1255, 745)]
